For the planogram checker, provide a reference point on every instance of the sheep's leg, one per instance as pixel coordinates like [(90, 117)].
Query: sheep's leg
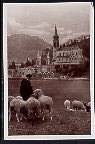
[(43, 118), (21, 117), (17, 118), (51, 116), (50, 112), (43, 115)]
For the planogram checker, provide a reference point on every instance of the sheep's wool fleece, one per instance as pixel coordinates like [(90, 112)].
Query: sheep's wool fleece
[(45, 100), (31, 103), (78, 104), (67, 104), (17, 104)]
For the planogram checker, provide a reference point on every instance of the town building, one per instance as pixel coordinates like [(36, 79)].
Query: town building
[(66, 54)]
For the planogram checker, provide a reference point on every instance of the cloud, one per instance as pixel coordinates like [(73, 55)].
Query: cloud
[(40, 30), (12, 22), (43, 25), (66, 32), (72, 36)]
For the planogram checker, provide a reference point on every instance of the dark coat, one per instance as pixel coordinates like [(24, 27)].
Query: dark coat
[(26, 89)]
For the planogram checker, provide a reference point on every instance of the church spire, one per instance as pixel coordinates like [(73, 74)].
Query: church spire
[(56, 39), (38, 55), (55, 30)]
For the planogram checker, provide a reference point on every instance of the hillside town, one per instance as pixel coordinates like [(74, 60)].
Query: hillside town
[(68, 59)]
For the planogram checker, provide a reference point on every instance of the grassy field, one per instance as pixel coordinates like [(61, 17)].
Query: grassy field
[(64, 122)]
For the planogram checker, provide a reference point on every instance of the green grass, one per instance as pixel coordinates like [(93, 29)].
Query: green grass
[(64, 122)]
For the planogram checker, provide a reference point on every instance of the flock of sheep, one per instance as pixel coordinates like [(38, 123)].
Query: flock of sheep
[(77, 105), (37, 106)]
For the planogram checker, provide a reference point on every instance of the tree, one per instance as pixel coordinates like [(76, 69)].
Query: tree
[(12, 66), (22, 65), (28, 63), (33, 62)]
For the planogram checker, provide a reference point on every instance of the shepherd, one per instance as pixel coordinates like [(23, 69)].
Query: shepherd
[(26, 89)]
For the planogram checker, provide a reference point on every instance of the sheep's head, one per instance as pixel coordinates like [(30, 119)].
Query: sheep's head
[(86, 106), (38, 93), (84, 103)]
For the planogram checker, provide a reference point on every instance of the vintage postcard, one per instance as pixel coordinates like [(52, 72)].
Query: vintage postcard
[(48, 55)]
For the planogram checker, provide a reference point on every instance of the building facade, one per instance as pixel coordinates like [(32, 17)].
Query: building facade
[(66, 54)]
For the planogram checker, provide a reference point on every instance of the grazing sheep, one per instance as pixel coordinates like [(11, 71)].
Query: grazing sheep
[(78, 105), (67, 104), (24, 109), (46, 102), (88, 107), (15, 106), (32, 106)]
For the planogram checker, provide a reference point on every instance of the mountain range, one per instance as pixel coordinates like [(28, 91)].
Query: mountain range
[(21, 46)]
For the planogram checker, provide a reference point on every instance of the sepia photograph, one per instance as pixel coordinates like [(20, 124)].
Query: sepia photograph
[(47, 70)]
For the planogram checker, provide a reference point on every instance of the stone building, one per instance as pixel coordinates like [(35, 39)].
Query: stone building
[(66, 54)]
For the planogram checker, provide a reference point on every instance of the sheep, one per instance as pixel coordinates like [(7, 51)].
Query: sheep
[(10, 98), (67, 104), (88, 107), (78, 105), (15, 106), (32, 106), (46, 102), (24, 108)]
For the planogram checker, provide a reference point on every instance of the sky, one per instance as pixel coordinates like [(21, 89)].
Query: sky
[(71, 19)]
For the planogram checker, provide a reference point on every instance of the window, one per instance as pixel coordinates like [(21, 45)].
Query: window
[(59, 54)]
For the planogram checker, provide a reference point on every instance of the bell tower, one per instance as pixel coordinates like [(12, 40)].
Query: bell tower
[(38, 60), (55, 42)]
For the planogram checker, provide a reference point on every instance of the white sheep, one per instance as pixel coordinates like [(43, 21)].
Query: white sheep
[(78, 105), (24, 108), (15, 106), (67, 104), (46, 102), (32, 105)]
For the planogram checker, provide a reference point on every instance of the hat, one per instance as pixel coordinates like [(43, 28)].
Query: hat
[(28, 75)]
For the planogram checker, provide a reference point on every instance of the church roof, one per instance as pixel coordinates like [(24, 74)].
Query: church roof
[(62, 56), (68, 48)]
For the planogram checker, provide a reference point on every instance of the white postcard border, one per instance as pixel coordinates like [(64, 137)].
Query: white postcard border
[(45, 137)]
